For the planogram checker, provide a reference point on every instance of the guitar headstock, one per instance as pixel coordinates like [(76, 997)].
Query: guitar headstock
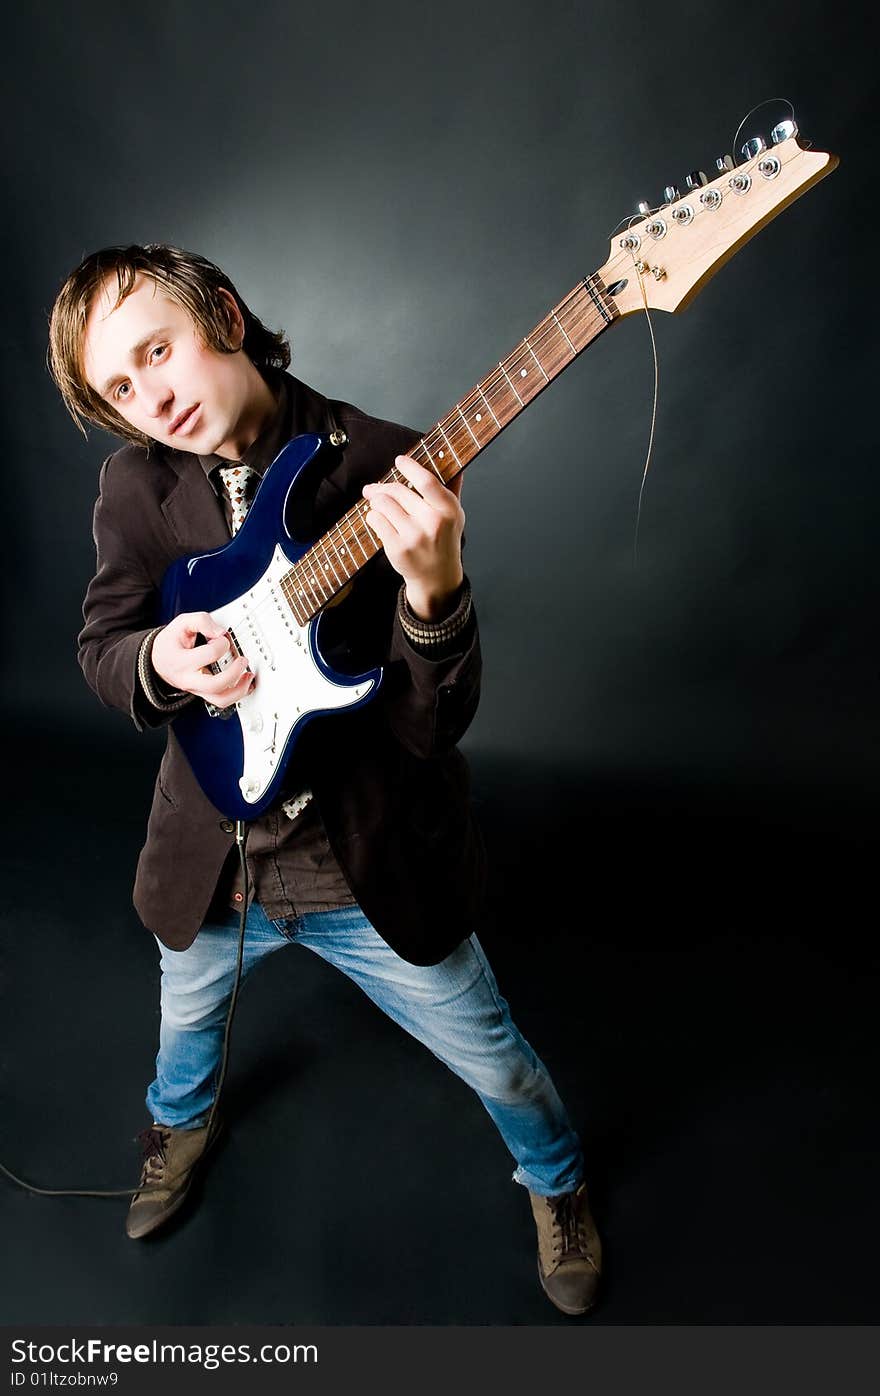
[(672, 252)]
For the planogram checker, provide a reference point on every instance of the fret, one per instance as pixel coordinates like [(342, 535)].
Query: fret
[(371, 534), (471, 411), (599, 304), (488, 404), (368, 536), (535, 357), (507, 404), (570, 345), (556, 350), (342, 557), (352, 518), (449, 444), (340, 552), (512, 388), (290, 597), (424, 445), (329, 562), (298, 599), (478, 444), (527, 381), (314, 578)]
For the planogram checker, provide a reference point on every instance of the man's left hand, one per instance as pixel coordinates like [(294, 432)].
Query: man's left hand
[(420, 529)]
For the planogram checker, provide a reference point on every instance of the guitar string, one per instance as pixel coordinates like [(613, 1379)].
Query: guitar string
[(354, 521), (653, 418), (488, 386), (768, 101), (347, 526), (618, 260), (352, 527)]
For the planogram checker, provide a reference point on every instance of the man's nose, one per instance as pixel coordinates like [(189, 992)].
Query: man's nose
[(156, 397)]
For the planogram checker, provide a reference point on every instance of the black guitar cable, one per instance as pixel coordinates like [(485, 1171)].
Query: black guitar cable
[(241, 832)]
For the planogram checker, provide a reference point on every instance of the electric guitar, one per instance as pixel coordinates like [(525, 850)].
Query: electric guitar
[(270, 590)]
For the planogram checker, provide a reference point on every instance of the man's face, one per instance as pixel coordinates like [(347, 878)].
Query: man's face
[(146, 359)]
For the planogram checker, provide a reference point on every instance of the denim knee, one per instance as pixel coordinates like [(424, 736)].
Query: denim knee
[(191, 1012)]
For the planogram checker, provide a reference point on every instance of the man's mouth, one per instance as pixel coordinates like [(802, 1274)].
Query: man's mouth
[(181, 419)]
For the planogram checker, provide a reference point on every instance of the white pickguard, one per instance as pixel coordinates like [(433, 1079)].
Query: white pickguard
[(289, 683)]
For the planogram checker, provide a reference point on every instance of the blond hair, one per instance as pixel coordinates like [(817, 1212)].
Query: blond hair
[(184, 277)]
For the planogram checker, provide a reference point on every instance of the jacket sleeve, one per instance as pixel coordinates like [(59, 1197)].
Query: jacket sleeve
[(119, 609), (429, 702)]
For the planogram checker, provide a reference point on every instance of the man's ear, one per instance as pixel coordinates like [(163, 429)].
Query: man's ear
[(234, 318)]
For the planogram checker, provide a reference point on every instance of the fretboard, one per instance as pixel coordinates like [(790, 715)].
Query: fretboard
[(457, 438)]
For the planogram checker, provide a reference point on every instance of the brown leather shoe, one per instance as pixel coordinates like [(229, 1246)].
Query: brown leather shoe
[(171, 1157), (569, 1250)]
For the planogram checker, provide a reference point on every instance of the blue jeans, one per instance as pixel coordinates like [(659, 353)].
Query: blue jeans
[(454, 1008)]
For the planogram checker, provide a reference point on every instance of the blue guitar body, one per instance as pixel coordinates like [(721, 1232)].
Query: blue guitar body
[(239, 758)]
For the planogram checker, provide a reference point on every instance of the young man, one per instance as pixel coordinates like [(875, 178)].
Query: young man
[(369, 856)]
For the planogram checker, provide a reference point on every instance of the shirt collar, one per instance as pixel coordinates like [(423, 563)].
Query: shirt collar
[(276, 433)]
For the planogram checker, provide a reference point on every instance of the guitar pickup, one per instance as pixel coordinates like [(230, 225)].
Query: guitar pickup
[(216, 667), (234, 652)]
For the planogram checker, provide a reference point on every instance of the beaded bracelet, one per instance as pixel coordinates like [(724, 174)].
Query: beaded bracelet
[(429, 633)]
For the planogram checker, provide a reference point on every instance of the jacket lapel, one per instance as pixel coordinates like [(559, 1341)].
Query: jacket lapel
[(192, 510)]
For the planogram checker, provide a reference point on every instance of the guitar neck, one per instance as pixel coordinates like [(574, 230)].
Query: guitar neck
[(458, 438)]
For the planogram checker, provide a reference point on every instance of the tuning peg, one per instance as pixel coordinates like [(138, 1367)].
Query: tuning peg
[(724, 163), (783, 131), (695, 180), (670, 194), (643, 208), (754, 147)]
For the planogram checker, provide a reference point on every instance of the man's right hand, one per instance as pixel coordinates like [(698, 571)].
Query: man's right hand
[(183, 663)]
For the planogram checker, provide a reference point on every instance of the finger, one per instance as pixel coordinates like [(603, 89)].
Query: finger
[(386, 507), (209, 652), (426, 482), (230, 679), (194, 623), (381, 527), (410, 501), (234, 695)]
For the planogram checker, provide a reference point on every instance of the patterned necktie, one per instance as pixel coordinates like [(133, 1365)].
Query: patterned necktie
[(240, 484)]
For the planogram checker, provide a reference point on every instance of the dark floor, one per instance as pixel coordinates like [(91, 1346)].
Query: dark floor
[(696, 963)]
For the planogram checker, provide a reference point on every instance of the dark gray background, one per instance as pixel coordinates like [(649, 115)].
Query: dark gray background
[(676, 766), (406, 192)]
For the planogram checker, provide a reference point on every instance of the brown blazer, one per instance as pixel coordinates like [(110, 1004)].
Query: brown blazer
[(389, 783)]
